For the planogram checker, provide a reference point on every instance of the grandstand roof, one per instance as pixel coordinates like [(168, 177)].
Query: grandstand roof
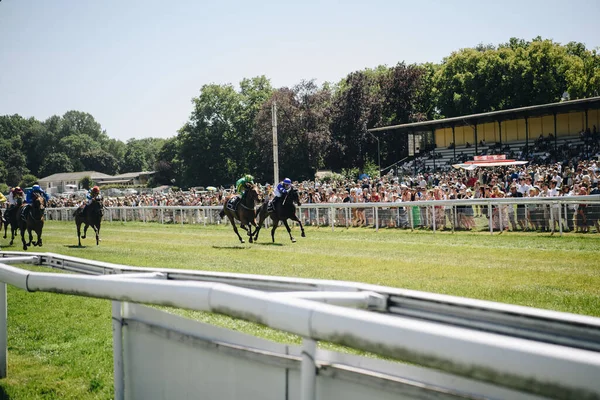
[(502, 115), (74, 176)]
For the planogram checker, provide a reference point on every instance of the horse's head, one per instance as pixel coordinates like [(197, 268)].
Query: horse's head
[(294, 196), (98, 204), (39, 202), (253, 195)]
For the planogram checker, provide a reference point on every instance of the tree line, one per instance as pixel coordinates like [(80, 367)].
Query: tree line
[(319, 126)]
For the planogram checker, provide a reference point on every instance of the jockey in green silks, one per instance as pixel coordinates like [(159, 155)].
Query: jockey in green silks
[(244, 183)]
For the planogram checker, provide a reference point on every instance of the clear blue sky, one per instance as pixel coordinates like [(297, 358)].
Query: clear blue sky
[(135, 65)]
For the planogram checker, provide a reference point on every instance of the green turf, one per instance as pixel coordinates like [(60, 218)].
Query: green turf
[(61, 346)]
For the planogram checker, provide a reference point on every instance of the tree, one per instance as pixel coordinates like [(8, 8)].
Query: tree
[(210, 141), (81, 123), (356, 104), (168, 165), (28, 180), (12, 130), (76, 145), (303, 131), (86, 182), (100, 161), (56, 163)]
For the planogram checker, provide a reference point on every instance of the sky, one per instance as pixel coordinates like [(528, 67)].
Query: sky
[(135, 65)]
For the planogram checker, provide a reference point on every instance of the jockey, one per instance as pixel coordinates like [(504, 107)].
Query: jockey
[(92, 194), (282, 189), (244, 183), (14, 195), (35, 189), (89, 197)]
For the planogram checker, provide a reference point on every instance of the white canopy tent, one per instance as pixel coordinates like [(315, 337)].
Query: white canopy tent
[(488, 161)]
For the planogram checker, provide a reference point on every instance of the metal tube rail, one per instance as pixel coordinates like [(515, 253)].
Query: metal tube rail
[(526, 365), (518, 321)]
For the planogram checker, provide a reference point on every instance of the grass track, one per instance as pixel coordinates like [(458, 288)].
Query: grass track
[(61, 346)]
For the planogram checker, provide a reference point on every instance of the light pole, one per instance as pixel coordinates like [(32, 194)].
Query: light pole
[(378, 152)]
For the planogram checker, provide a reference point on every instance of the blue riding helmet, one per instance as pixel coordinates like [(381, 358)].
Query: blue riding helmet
[(36, 187), (287, 181)]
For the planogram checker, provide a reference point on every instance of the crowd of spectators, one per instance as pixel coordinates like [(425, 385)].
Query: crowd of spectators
[(531, 180)]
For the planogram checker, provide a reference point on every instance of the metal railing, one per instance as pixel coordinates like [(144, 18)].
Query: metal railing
[(550, 214), (530, 351)]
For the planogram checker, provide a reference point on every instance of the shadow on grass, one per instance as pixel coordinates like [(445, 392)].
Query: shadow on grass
[(240, 247), (75, 246), (269, 244)]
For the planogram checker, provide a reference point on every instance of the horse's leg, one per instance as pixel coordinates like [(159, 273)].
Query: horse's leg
[(97, 229), (235, 229), (85, 228), (261, 219), (78, 223), (288, 230), (6, 227), (30, 236), (275, 224), (23, 237), (38, 232), (13, 234), (295, 218), (250, 234)]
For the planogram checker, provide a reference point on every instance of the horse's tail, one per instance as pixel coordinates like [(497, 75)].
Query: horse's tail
[(222, 213)]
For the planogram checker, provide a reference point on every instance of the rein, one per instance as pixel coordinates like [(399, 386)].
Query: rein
[(41, 214), (253, 208)]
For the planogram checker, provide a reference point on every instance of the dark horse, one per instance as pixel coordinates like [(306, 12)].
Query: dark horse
[(91, 215), (31, 218), (245, 212), (11, 217), (284, 209)]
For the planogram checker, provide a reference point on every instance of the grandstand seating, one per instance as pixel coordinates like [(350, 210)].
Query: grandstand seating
[(446, 160)]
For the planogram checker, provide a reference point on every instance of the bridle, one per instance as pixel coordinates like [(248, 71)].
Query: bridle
[(255, 195), (41, 207)]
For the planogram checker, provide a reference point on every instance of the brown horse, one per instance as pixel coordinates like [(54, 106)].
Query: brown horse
[(31, 218), (284, 209), (91, 215), (243, 212), (11, 217)]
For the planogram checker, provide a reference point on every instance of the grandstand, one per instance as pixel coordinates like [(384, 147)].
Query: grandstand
[(542, 132)]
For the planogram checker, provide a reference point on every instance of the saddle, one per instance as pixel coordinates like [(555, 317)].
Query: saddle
[(270, 206), (24, 212), (232, 203)]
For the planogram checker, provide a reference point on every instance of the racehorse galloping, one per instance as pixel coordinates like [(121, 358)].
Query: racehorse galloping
[(11, 217), (31, 218), (284, 210), (91, 215), (245, 212)]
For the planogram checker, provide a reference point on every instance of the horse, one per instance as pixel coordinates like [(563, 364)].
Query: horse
[(11, 217), (31, 218), (91, 215), (244, 212), (283, 210)]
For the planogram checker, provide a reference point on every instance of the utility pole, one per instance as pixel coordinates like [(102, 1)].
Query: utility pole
[(378, 152), (275, 152)]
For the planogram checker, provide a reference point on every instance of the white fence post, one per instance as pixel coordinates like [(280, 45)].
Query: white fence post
[(308, 372), (117, 328), (3, 330)]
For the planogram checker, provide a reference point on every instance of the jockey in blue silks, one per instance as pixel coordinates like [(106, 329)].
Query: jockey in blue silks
[(282, 189), (35, 189)]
